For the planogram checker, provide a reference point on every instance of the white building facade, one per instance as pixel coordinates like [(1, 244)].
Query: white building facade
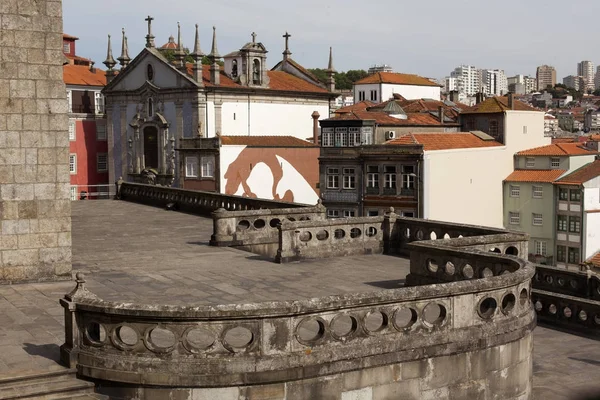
[(382, 86), (467, 79)]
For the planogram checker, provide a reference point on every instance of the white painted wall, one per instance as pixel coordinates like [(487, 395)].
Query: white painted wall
[(576, 162), (367, 89), (515, 138), (385, 91), (591, 202), (462, 186)]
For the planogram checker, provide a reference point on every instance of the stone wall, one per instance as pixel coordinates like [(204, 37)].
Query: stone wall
[(35, 210)]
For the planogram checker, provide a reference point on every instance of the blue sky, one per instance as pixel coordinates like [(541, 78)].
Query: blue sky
[(429, 38)]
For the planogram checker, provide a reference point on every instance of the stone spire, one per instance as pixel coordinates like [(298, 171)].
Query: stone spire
[(215, 68), (110, 63), (150, 36), (197, 56), (124, 59), (179, 53), (287, 53), (330, 73)]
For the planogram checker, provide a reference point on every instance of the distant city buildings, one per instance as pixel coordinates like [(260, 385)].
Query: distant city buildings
[(380, 68), (585, 69), (574, 82), (465, 79), (494, 82), (546, 76), (521, 84), (381, 86)]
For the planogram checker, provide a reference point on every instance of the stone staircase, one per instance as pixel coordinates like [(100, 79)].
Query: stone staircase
[(56, 385)]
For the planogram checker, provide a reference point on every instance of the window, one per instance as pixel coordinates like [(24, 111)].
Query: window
[(349, 213), (102, 162), (373, 176), (149, 72), (493, 128), (574, 224), (524, 129), (333, 213), (390, 176), (408, 214), (73, 192), (408, 176), (327, 137), (349, 178), (71, 130), (561, 223), (361, 95), (66, 47), (100, 131), (563, 194), (514, 218), (515, 190), (99, 103), (540, 247), (573, 255), (575, 195), (341, 138), (538, 192), (354, 136), (537, 219), (373, 95), (555, 162), (366, 134), (561, 253), (530, 162), (73, 164), (256, 72), (191, 167), (207, 169), (333, 178), (373, 213)]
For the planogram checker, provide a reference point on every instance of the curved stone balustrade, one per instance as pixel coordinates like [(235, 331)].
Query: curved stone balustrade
[(573, 283), (229, 345), (193, 201), (570, 312)]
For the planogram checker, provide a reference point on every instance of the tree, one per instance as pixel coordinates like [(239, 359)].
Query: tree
[(343, 80), (596, 92)]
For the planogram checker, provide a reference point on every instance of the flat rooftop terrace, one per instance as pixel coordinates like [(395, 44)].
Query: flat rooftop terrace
[(135, 253)]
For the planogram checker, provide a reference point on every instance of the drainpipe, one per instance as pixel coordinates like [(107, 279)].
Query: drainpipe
[(248, 114)]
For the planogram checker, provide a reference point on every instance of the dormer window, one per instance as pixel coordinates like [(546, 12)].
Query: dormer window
[(234, 69), (150, 72), (256, 72)]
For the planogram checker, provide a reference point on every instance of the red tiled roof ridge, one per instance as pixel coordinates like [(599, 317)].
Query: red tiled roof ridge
[(535, 175), (582, 174), (557, 149), (265, 141), (444, 140), (82, 76), (497, 104), (396, 78)]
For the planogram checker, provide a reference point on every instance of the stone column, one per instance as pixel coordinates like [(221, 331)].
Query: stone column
[(218, 116), (35, 206)]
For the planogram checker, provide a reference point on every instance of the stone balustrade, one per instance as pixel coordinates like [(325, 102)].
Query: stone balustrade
[(583, 284), (193, 201), (330, 238)]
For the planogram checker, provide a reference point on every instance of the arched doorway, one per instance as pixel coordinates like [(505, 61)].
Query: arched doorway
[(150, 147)]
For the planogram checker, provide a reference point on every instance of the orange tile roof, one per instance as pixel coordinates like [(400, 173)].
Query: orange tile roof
[(496, 105), (170, 45), (558, 149), (81, 75), (563, 140), (396, 79), (278, 80), (360, 106), (381, 118), (444, 141), (594, 260), (265, 141), (69, 37), (581, 175), (595, 138), (535, 175)]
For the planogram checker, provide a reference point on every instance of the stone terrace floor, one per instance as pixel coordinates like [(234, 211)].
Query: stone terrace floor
[(135, 253)]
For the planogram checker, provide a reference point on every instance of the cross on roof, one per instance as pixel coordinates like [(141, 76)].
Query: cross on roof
[(253, 37), (149, 19), (287, 36)]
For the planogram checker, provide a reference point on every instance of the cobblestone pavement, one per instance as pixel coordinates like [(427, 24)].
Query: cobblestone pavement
[(141, 254)]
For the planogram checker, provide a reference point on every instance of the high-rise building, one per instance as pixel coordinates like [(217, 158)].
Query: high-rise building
[(585, 69), (467, 79), (528, 83), (574, 82), (597, 78), (494, 82), (546, 76)]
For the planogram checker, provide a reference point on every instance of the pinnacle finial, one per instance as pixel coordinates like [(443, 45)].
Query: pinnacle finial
[(330, 65), (110, 61), (179, 44), (214, 53), (197, 53), (124, 59)]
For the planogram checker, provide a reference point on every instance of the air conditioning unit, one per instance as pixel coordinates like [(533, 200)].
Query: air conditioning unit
[(390, 135)]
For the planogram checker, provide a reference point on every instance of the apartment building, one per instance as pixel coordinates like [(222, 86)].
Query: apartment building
[(546, 76), (467, 79), (494, 82), (585, 69)]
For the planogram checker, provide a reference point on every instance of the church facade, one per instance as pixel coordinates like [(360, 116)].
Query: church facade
[(158, 98)]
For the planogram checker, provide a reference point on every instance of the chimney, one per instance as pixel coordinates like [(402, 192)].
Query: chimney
[(478, 98), (92, 68), (511, 101), (315, 116), (441, 114)]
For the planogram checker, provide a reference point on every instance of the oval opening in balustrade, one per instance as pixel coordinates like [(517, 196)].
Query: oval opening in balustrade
[(508, 303), (375, 321), (432, 265), (446, 236), (310, 330), (467, 271), (291, 219), (322, 235), (567, 312), (561, 281), (433, 235), (371, 231), (238, 337), (512, 251), (434, 314), (259, 223), (404, 318), (574, 284), (304, 218), (339, 233), (127, 335), (305, 236), (406, 233), (419, 235), (343, 325), (449, 268), (487, 273), (597, 319), (549, 279), (523, 297), (200, 339), (162, 338), (487, 307), (243, 225), (495, 250), (552, 309), (538, 306), (274, 222), (355, 232), (582, 315), (96, 332)]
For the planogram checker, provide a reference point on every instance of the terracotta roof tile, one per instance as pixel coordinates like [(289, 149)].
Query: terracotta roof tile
[(497, 105), (396, 79), (535, 175), (558, 149), (581, 175), (361, 106), (170, 45), (81, 75), (594, 260), (265, 141), (594, 138), (563, 140), (444, 141), (69, 37), (381, 118)]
